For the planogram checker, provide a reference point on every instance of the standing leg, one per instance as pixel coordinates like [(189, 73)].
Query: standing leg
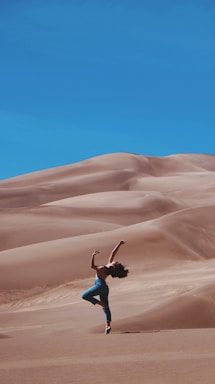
[(106, 309), (100, 288)]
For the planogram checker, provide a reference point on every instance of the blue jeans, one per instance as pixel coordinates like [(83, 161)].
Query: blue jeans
[(100, 288)]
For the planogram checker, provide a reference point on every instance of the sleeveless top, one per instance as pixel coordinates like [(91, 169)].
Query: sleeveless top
[(108, 271)]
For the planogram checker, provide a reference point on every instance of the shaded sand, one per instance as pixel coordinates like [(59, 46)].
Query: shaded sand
[(163, 325)]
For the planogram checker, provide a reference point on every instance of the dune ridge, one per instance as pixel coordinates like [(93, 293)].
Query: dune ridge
[(162, 207)]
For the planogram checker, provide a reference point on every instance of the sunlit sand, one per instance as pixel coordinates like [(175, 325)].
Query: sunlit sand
[(163, 312)]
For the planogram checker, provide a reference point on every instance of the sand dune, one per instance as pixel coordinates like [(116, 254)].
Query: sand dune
[(181, 313), (51, 221)]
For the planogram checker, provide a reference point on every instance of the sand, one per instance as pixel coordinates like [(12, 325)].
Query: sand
[(163, 313)]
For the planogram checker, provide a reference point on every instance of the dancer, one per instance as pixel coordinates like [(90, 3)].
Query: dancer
[(101, 289)]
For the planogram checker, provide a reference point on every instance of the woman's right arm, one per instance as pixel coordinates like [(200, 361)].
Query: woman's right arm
[(92, 260)]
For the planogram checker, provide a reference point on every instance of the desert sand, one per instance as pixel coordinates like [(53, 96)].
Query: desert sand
[(163, 328)]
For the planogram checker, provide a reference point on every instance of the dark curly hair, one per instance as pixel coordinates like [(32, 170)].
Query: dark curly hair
[(118, 270)]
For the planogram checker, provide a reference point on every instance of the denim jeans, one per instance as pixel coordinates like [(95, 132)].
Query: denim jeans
[(100, 289)]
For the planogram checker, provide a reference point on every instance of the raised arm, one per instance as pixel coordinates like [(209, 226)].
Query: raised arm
[(93, 261), (114, 251)]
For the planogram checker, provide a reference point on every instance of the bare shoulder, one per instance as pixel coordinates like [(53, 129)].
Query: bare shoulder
[(101, 267), (108, 265)]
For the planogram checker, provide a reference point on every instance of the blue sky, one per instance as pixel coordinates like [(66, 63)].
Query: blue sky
[(83, 78)]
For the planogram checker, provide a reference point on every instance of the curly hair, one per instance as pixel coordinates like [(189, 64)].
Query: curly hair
[(118, 270)]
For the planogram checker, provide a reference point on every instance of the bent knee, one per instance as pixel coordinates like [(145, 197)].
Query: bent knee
[(85, 296)]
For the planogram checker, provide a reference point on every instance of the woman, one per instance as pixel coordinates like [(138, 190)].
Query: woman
[(100, 288)]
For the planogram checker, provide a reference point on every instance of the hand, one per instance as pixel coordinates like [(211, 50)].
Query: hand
[(96, 251)]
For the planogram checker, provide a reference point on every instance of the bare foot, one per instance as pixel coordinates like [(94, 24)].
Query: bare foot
[(107, 330)]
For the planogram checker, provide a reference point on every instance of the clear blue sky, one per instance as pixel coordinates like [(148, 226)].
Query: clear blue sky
[(83, 78)]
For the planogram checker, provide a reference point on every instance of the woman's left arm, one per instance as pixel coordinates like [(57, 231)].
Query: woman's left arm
[(115, 250)]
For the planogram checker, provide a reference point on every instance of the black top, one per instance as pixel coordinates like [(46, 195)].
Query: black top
[(109, 270)]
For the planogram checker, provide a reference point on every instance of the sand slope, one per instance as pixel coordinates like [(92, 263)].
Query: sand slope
[(51, 221)]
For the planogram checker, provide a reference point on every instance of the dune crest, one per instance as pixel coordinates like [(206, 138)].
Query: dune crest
[(163, 208)]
